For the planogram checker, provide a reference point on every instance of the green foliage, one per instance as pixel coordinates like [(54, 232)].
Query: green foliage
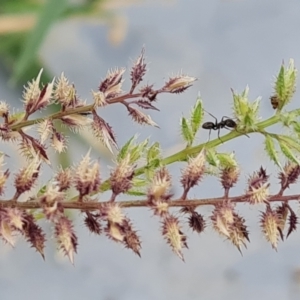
[(48, 15), (288, 153), (190, 127), (19, 50), (247, 113), (186, 131), (134, 150), (196, 116), (285, 84), (271, 150)]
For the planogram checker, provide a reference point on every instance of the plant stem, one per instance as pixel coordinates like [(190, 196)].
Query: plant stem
[(91, 205)]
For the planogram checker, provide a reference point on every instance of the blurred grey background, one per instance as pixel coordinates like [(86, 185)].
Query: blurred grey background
[(225, 44)]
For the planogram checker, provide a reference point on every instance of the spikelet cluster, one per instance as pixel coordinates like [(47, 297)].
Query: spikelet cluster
[(153, 180), (258, 187), (230, 225)]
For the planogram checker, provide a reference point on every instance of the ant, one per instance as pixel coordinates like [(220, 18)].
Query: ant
[(225, 122)]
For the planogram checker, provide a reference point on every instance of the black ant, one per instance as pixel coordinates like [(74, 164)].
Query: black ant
[(224, 123)]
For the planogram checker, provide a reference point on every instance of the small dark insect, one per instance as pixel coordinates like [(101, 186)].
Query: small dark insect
[(274, 102), (224, 123)]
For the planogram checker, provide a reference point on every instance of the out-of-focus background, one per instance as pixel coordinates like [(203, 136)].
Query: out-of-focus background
[(226, 44)]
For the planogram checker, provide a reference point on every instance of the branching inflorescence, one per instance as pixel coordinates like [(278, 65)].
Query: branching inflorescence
[(151, 181)]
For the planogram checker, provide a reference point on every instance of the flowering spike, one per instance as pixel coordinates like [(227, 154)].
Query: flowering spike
[(160, 185), (270, 223), (289, 175), (66, 237), (4, 110), (115, 231), (229, 177), (26, 178), (15, 218), (111, 85), (59, 142), (138, 71), (121, 177), (119, 227), (229, 224), (178, 84), (140, 117), (238, 232), (92, 223), (174, 236), (222, 218), (131, 239), (6, 230), (64, 91), (30, 147), (293, 221), (282, 213), (87, 176), (51, 200), (36, 99), (258, 187), (197, 222), (99, 99), (160, 207), (63, 179), (3, 175), (193, 173), (145, 104), (112, 212), (104, 132), (148, 92), (31, 94), (33, 233), (45, 129)]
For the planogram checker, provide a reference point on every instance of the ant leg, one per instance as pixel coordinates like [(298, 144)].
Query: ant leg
[(239, 132), (219, 135), (212, 116), (209, 135)]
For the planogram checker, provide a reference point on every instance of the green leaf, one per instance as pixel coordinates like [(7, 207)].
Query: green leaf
[(296, 127), (240, 103), (279, 84), (126, 148), (271, 150), (212, 157), (136, 193), (288, 119), (290, 142), (186, 131), (137, 151), (255, 107), (285, 85), (18, 6), (196, 116), (287, 151), (134, 150), (48, 15), (154, 153)]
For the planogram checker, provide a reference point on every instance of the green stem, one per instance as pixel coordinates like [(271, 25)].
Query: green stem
[(192, 151)]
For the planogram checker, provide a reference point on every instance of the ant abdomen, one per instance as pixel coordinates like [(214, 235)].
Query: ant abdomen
[(208, 125), (229, 123)]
